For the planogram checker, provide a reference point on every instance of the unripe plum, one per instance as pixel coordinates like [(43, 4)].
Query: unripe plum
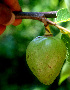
[(45, 57)]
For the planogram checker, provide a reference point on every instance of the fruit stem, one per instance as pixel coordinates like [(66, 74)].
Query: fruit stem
[(58, 26), (47, 28)]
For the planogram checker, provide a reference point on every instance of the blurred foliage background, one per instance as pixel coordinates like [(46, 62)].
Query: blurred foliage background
[(14, 71)]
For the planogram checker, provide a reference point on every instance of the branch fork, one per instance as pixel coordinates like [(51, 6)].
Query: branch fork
[(40, 16)]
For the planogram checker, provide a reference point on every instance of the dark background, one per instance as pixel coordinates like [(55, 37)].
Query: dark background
[(14, 71)]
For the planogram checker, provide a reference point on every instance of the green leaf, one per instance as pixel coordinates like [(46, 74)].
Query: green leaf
[(65, 73), (63, 15), (66, 40), (59, 35), (68, 4)]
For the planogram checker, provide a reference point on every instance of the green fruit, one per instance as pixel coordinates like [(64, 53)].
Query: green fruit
[(45, 57)]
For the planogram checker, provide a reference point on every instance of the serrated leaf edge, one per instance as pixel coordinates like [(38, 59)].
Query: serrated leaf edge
[(61, 20)]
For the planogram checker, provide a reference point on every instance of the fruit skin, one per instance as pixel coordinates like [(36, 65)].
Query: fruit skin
[(45, 57)]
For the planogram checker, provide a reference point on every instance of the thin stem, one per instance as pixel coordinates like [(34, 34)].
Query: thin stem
[(58, 26), (62, 28)]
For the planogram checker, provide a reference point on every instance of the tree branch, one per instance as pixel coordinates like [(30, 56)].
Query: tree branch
[(34, 15), (40, 16)]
